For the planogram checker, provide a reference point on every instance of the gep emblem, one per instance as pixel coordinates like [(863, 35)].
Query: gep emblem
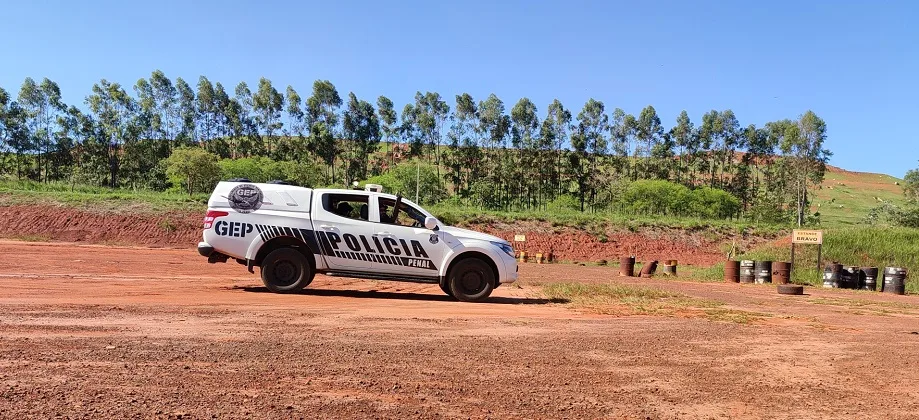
[(433, 239), (245, 198)]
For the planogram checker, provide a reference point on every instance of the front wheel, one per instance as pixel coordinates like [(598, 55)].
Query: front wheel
[(286, 270), (471, 280), (445, 287)]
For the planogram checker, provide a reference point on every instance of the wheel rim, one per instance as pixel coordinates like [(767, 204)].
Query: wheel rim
[(286, 273), (473, 282)]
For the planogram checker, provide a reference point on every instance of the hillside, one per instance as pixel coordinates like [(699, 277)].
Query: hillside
[(845, 197)]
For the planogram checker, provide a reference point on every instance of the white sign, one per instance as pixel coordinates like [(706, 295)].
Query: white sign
[(520, 238), (814, 237)]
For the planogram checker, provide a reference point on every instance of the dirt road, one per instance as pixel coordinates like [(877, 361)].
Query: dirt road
[(91, 331)]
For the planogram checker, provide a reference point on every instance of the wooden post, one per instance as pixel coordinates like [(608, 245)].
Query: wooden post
[(819, 256)]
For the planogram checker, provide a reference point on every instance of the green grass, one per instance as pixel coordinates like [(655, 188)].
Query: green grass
[(596, 222), (98, 198), (714, 273), (869, 305), (859, 246), (614, 299), (845, 198)]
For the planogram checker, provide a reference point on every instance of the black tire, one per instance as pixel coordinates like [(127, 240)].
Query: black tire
[(446, 288), (471, 280), (286, 270), (790, 289)]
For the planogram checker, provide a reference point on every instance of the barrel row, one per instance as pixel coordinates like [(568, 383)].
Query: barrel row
[(749, 271), (834, 276), (865, 278)]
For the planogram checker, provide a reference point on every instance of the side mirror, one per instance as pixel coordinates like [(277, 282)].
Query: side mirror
[(431, 223)]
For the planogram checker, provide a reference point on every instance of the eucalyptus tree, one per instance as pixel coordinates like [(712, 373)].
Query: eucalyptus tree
[(43, 106), (361, 128), (525, 138), (649, 131), (208, 111), (267, 104), (166, 105), (388, 118), (113, 110), (322, 116), (591, 144), (555, 129), (188, 113), (494, 125), (682, 135)]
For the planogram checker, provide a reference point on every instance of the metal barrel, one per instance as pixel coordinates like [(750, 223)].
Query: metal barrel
[(648, 269), (895, 280), (849, 277), (732, 271), (670, 267), (831, 275), (763, 272), (781, 272), (869, 278), (627, 266), (747, 272)]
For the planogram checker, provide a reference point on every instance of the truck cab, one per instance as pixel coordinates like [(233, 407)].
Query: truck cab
[(291, 233)]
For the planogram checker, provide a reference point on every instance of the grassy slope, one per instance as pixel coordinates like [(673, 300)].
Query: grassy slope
[(846, 197)]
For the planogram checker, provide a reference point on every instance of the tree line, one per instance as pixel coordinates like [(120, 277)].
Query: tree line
[(482, 152)]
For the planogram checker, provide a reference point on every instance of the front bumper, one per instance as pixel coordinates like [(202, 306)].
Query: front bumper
[(510, 269)]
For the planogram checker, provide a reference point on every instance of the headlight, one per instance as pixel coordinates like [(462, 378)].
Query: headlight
[(506, 247)]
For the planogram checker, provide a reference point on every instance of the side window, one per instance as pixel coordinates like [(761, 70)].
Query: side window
[(352, 206), (408, 215)]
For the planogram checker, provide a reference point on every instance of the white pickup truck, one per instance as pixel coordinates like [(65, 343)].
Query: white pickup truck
[(292, 233)]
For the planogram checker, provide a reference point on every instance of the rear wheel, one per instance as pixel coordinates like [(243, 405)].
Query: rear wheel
[(286, 270), (471, 280)]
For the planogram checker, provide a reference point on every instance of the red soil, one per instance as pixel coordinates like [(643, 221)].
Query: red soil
[(183, 230)]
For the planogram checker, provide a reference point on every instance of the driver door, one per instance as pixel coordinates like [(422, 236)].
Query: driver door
[(409, 248)]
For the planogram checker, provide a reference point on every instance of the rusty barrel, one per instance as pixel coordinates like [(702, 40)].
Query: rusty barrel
[(831, 275), (894, 280), (732, 271), (627, 266), (781, 272), (669, 267), (747, 272), (648, 269), (869, 278)]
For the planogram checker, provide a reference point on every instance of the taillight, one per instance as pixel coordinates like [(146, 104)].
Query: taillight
[(211, 216)]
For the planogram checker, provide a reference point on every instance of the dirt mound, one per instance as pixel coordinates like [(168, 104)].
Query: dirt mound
[(71, 225), (183, 230), (570, 244)]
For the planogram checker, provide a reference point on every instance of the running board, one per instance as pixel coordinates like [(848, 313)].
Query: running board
[(381, 276)]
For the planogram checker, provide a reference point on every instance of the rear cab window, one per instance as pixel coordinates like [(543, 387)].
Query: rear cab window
[(351, 206)]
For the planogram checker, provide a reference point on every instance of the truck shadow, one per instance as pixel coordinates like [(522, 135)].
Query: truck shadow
[(374, 294)]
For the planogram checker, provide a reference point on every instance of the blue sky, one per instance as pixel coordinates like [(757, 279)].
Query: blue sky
[(854, 63)]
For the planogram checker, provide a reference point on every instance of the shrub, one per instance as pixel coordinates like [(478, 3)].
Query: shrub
[(668, 198), (713, 203), (402, 179), (564, 202), (655, 197), (262, 169), (192, 168)]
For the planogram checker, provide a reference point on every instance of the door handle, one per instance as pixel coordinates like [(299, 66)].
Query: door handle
[(327, 227), (384, 235)]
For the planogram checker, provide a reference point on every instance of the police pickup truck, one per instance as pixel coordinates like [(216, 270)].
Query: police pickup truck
[(292, 233)]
